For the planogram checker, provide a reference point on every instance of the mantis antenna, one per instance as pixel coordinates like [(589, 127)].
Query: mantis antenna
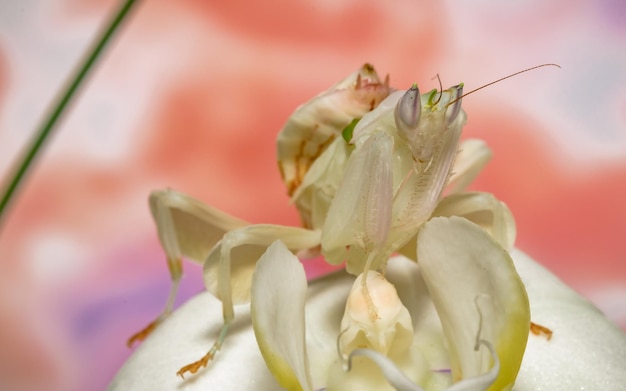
[(503, 78)]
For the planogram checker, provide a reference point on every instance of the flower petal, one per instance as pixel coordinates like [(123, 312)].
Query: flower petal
[(476, 291), (277, 305)]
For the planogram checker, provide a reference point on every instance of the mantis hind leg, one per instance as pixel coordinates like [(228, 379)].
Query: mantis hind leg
[(187, 228), (175, 267)]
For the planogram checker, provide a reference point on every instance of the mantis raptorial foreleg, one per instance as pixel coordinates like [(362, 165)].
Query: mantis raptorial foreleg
[(230, 265), (360, 213), (187, 228)]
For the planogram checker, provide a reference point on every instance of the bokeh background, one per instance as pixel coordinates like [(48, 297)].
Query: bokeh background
[(191, 96)]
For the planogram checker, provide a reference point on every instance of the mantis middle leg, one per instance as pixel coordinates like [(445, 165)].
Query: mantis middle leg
[(186, 228)]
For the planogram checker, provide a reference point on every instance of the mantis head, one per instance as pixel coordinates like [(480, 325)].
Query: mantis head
[(422, 121)]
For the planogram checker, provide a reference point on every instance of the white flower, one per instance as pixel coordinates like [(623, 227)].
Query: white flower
[(454, 297)]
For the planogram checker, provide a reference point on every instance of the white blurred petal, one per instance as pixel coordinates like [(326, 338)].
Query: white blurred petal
[(185, 337), (586, 351)]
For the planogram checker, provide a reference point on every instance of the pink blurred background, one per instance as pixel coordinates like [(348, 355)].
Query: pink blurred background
[(191, 97)]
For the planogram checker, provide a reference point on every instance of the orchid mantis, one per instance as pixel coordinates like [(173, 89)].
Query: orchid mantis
[(366, 166)]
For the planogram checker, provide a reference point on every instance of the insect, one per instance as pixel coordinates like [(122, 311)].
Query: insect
[(365, 165)]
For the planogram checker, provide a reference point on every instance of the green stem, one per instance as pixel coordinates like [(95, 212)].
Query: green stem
[(57, 109)]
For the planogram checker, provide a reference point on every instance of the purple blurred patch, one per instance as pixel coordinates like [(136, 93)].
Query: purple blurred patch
[(614, 12)]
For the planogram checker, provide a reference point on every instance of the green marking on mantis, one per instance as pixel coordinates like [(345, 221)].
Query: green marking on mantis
[(431, 96), (346, 133), (58, 108)]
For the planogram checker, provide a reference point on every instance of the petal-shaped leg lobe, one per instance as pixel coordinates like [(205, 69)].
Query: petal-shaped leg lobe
[(187, 228), (485, 210)]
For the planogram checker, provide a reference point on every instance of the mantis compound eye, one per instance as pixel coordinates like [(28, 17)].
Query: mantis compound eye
[(454, 107), (407, 112)]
